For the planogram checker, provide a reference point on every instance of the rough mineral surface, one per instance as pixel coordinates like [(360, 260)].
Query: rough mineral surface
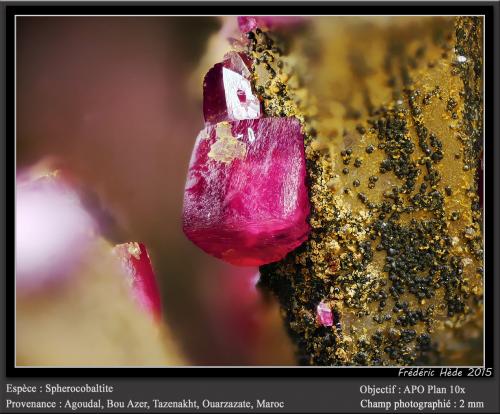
[(392, 112), (246, 198), (227, 91)]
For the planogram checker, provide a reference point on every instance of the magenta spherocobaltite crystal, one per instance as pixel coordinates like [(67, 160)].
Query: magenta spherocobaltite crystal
[(249, 23), (137, 265), (227, 91), (324, 314), (246, 198)]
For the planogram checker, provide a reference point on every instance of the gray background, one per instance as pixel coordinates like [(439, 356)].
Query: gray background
[(299, 394)]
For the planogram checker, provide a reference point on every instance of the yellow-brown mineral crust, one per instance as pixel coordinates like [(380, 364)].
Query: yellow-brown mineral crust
[(392, 113)]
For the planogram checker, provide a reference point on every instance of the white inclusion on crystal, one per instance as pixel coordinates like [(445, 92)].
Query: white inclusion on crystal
[(234, 82), (251, 136), (203, 135), (191, 181), (255, 279), (461, 59), (290, 193)]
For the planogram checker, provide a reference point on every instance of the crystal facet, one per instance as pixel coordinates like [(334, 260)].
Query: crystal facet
[(227, 91), (324, 314), (246, 200)]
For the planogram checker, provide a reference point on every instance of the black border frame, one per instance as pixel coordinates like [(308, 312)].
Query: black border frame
[(215, 8)]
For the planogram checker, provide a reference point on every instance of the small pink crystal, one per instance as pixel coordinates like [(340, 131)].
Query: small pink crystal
[(138, 269), (227, 91), (324, 314), (247, 23), (250, 23), (246, 198)]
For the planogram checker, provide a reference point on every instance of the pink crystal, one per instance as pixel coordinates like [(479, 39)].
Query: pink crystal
[(227, 91), (246, 198), (250, 23), (138, 269), (324, 314)]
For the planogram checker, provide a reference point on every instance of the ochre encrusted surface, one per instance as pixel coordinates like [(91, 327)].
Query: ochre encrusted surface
[(392, 112)]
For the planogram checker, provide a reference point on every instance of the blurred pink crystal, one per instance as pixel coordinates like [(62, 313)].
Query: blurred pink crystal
[(138, 268), (246, 198), (250, 23), (247, 23), (227, 91), (324, 314), (236, 307), (53, 231)]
